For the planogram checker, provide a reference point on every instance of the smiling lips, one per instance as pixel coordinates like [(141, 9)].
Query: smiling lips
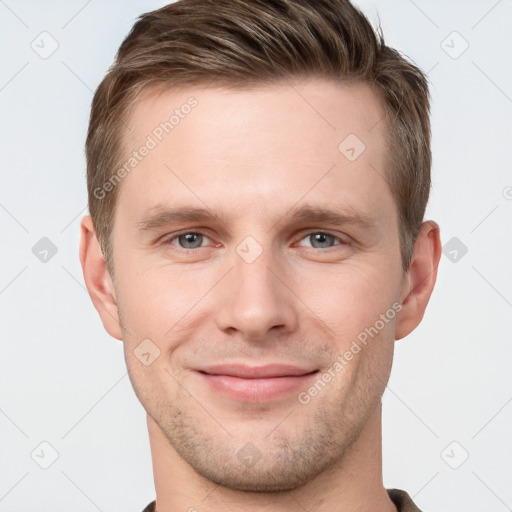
[(256, 384)]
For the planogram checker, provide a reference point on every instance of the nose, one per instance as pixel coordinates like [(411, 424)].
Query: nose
[(256, 299)]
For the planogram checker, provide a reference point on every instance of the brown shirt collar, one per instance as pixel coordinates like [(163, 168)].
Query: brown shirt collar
[(401, 499)]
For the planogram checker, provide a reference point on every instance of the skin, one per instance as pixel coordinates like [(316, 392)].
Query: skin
[(253, 157)]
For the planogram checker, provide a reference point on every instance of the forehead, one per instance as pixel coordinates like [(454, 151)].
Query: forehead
[(315, 106), (257, 149)]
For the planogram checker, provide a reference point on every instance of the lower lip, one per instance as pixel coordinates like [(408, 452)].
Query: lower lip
[(256, 390)]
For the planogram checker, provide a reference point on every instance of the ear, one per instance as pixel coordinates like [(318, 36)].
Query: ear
[(420, 279), (97, 279)]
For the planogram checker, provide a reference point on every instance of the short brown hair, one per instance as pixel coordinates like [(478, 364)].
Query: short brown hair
[(246, 43)]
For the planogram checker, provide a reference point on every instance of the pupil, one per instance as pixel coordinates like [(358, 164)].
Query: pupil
[(320, 238), (190, 238)]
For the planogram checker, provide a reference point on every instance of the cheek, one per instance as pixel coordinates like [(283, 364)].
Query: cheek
[(351, 297), (152, 384), (155, 301), (164, 302)]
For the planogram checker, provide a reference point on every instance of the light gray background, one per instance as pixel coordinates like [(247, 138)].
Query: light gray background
[(63, 379)]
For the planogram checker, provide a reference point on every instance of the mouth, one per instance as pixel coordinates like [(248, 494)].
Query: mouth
[(256, 384)]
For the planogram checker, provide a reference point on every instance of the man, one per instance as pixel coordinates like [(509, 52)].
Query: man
[(258, 173)]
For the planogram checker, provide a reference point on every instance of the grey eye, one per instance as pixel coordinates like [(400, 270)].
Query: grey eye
[(190, 240), (321, 240)]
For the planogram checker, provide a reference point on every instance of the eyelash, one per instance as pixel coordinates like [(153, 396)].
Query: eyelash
[(169, 240)]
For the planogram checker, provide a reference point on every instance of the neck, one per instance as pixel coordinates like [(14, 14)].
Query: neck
[(354, 483)]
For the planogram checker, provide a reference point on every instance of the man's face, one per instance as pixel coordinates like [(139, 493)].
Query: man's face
[(255, 284)]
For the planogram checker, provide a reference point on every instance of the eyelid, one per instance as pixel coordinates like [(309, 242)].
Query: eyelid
[(343, 239), (169, 239)]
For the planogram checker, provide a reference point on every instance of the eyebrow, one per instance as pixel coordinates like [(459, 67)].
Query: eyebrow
[(160, 216)]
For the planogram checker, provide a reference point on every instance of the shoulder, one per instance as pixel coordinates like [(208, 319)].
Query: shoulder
[(402, 501), (150, 507)]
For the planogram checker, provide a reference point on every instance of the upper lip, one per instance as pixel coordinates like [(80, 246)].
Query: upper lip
[(267, 371)]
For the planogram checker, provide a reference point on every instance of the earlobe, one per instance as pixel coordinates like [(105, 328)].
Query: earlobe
[(97, 279), (420, 280)]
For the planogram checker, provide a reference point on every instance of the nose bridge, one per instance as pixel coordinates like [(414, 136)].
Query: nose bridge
[(254, 299)]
